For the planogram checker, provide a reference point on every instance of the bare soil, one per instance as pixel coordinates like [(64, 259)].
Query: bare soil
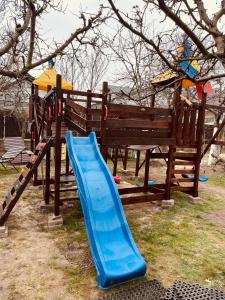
[(27, 255)]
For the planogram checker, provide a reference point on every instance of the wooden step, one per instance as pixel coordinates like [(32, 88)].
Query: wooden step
[(184, 154), (67, 179), (9, 203), (141, 197), (182, 188), (66, 189), (183, 171), (67, 198), (182, 180), (182, 163)]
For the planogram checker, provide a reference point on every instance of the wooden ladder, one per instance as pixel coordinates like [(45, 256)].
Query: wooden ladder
[(20, 184), (184, 163)]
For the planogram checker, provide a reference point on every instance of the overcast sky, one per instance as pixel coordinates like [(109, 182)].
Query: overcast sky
[(57, 26)]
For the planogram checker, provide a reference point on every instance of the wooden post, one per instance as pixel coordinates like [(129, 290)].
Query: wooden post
[(105, 91), (49, 114), (137, 162), (58, 118), (36, 141), (67, 163), (88, 110), (67, 167), (172, 150), (169, 170), (115, 162), (147, 163), (125, 158), (48, 153), (176, 95), (200, 130), (47, 175), (31, 118), (152, 100)]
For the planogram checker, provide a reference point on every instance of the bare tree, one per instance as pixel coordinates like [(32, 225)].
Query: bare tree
[(192, 19), (84, 66), (134, 59), (22, 44)]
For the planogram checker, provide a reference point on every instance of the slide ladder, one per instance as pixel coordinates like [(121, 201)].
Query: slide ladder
[(20, 184), (115, 254)]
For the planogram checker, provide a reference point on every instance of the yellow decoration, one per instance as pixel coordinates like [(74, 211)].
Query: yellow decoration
[(196, 66), (22, 170), (167, 75), (48, 77), (180, 49), (188, 83)]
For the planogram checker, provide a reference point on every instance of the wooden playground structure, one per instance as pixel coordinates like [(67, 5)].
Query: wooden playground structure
[(121, 128)]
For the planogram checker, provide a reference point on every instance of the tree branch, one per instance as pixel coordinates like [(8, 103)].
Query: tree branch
[(183, 26), (18, 32), (140, 34)]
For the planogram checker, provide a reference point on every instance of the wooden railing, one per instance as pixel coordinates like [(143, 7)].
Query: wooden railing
[(42, 116), (187, 125), (118, 124), (82, 114), (134, 125)]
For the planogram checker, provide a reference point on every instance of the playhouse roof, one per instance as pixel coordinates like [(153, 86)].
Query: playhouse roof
[(48, 77)]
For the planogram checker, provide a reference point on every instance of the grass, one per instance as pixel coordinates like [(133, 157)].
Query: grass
[(177, 243), (218, 180), (180, 244)]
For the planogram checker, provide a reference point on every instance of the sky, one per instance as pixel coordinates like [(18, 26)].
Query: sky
[(60, 25), (57, 26)]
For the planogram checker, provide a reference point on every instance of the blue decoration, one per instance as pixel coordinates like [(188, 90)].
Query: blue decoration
[(51, 63)]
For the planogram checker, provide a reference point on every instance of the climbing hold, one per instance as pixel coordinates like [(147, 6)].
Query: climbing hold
[(41, 146), (117, 179), (151, 182), (8, 198), (17, 187), (33, 158)]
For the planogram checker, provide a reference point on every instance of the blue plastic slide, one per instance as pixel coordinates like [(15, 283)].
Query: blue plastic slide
[(116, 257)]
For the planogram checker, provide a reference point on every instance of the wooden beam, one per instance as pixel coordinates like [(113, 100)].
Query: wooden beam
[(141, 198), (58, 116), (75, 106), (81, 93), (217, 107), (129, 140), (139, 110), (199, 134), (131, 123)]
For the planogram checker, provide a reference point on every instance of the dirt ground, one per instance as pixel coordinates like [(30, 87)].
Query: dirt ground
[(41, 264), (27, 253)]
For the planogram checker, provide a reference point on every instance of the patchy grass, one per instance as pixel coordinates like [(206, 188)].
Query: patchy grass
[(217, 180), (177, 243), (180, 244)]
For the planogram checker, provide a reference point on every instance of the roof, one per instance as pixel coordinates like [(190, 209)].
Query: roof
[(48, 77), (119, 89)]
